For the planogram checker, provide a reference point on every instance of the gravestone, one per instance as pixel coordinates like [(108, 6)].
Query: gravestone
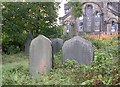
[(27, 43), (57, 44), (40, 55), (78, 49)]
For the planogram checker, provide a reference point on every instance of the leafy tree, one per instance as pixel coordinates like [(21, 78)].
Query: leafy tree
[(21, 18), (76, 11)]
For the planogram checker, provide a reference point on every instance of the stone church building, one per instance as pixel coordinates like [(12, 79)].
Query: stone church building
[(97, 17)]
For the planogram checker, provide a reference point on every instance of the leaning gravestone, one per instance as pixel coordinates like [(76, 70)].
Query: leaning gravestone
[(27, 43), (57, 44), (78, 49), (40, 55)]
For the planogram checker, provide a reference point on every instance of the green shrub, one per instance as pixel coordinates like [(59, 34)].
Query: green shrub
[(9, 47)]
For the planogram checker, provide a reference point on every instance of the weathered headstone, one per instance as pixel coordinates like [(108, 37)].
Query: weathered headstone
[(40, 55), (78, 49), (27, 43), (57, 44)]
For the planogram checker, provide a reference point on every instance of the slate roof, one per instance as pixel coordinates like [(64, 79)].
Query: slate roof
[(115, 8), (65, 16), (66, 7)]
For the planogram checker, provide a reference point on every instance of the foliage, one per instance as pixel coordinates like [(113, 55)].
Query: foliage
[(66, 37), (109, 45), (68, 73), (13, 58), (21, 18), (59, 32), (76, 8), (76, 11), (99, 44), (105, 69)]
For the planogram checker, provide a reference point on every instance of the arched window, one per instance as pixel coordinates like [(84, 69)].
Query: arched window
[(113, 26), (97, 21), (68, 27), (80, 24), (88, 18)]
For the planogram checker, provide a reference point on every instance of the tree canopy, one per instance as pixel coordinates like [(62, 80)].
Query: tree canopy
[(76, 13), (76, 8), (20, 18)]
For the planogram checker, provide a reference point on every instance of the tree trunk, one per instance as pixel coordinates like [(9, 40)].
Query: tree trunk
[(76, 27)]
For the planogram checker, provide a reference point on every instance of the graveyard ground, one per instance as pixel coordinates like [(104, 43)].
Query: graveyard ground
[(104, 70)]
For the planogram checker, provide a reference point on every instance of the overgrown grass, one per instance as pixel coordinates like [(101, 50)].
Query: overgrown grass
[(105, 69), (14, 58)]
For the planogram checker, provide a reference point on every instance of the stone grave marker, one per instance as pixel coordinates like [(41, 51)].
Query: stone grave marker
[(27, 43), (57, 44), (78, 49), (40, 55)]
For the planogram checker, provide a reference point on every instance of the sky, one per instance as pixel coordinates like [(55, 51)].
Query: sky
[(61, 12)]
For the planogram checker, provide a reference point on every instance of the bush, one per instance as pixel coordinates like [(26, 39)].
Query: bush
[(11, 49), (13, 44)]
